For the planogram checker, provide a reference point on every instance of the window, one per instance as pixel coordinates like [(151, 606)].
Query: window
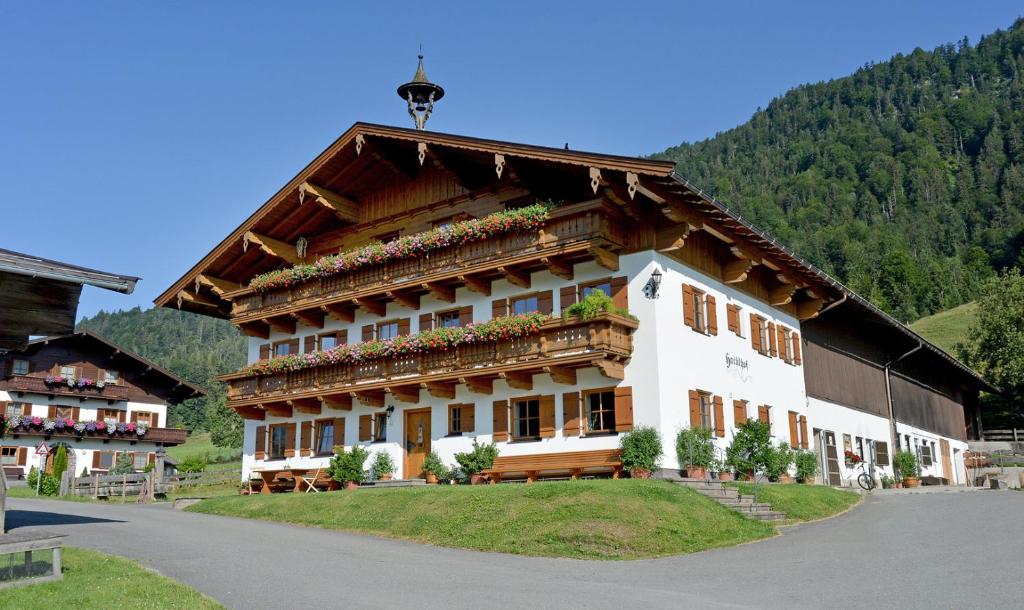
[(68, 371), (282, 349), (106, 461), (455, 419), (141, 459), (699, 315), (325, 437), (144, 417), (18, 408), (847, 448), (106, 414), (526, 415), (328, 341), (860, 448), (600, 408), (786, 348), (387, 330), (926, 454), (380, 427), (277, 440), (704, 410), (881, 453), (20, 367), (8, 455), (762, 342), (523, 305), (110, 377), (440, 223), (604, 286), (448, 319), (386, 237)]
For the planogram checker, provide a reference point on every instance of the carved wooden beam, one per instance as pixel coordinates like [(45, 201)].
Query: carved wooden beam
[(251, 413), (344, 313), (278, 409), (517, 380), (680, 212), (515, 277), (405, 299), (782, 295), (633, 186), (672, 238), (611, 369), (340, 402), (216, 285), (255, 329), (605, 258), (305, 405), (343, 207), (477, 285), (281, 324), (742, 251), (561, 374), (185, 296), (440, 389), (478, 385), (557, 268), (805, 310), (410, 394), (310, 317), (374, 306), (441, 292), (273, 247), (370, 399), (736, 271)]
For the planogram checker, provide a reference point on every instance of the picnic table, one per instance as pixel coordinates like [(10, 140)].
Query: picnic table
[(270, 475)]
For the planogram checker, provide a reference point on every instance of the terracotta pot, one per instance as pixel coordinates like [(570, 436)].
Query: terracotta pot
[(911, 481), (725, 476), (748, 476), (899, 485), (350, 485), (386, 477), (639, 473), (785, 479), (807, 481), (431, 478), (477, 479), (696, 472)]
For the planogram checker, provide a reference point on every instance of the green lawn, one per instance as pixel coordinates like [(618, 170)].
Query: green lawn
[(947, 328), (802, 502), (200, 444), (593, 519), (96, 580)]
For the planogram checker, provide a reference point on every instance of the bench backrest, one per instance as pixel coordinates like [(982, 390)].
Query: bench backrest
[(601, 457)]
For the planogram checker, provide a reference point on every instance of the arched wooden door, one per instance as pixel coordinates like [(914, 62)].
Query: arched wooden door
[(53, 453)]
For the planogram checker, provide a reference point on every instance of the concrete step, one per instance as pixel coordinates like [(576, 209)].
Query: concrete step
[(768, 516), (395, 483), (718, 493)]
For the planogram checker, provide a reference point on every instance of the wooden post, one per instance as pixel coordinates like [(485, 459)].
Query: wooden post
[(96, 486), (57, 568), (124, 483), (3, 503)]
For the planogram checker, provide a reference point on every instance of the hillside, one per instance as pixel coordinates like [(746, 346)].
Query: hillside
[(947, 328), (904, 180)]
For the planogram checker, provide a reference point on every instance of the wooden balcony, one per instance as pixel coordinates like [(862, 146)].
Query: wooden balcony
[(20, 385), (561, 347), (163, 436), (575, 233)]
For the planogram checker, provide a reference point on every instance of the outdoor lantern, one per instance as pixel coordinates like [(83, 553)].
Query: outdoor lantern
[(389, 410), (420, 94), (651, 288)]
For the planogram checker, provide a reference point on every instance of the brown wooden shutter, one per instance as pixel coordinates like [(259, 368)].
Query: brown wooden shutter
[(545, 302), (772, 347), (367, 333), (151, 458), (719, 417), (567, 297), (154, 419), (755, 333), (121, 416), (695, 409), (739, 412), (95, 458), (341, 336), (426, 321), (339, 431), (762, 414), (310, 345), (23, 457), (781, 334), (264, 351), (289, 440), (571, 414), (794, 433), (620, 292), (365, 427), (76, 413), (712, 315), (547, 416), (796, 348), (51, 411), (466, 315), (803, 432), (404, 326), (688, 313), (261, 442), (135, 417), (623, 408), (293, 346), (732, 318), (306, 440), (450, 409), (500, 420), (882, 453), (499, 308)]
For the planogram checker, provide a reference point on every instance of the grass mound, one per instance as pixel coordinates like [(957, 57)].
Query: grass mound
[(802, 502), (596, 519)]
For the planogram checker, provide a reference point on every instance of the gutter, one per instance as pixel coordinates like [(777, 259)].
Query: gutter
[(893, 436)]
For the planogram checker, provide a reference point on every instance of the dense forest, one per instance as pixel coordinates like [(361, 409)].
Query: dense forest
[(904, 180), (195, 347)]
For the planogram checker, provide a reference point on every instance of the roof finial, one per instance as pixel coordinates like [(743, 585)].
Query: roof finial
[(420, 94)]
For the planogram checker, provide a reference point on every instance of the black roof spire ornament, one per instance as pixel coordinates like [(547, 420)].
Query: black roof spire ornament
[(421, 94)]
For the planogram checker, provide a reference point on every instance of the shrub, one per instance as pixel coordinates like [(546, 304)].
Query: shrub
[(436, 467), (347, 466), (479, 458), (905, 464), (85, 471), (641, 449), (149, 468), (48, 486), (125, 464), (806, 465), (694, 447), (595, 303), (60, 461), (193, 463), (751, 448), (383, 465), (779, 460)]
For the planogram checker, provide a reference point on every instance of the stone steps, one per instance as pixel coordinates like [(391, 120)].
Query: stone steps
[(731, 498)]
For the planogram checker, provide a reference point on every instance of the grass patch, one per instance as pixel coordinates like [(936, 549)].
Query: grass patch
[(594, 519), (802, 502), (226, 489), (97, 580), (947, 328), (200, 444)]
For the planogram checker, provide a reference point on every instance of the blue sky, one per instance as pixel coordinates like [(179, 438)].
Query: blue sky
[(135, 135)]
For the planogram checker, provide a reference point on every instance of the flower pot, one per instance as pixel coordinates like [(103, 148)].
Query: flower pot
[(386, 477), (350, 485), (639, 473), (785, 479), (696, 472), (748, 476), (725, 476), (899, 485), (911, 481), (477, 479), (807, 481), (431, 478)]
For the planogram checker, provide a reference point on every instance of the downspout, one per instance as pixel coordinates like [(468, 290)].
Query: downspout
[(888, 396), (833, 305)]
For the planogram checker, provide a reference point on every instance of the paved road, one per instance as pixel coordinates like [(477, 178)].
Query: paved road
[(913, 551)]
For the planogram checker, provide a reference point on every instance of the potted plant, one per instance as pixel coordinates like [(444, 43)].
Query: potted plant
[(905, 463), (696, 450), (888, 482), (750, 449), (383, 466), (779, 461), (641, 450), (724, 471), (435, 468), (476, 460), (346, 467), (806, 466)]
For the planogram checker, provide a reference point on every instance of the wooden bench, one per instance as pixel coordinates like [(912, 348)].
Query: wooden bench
[(572, 463), (14, 472)]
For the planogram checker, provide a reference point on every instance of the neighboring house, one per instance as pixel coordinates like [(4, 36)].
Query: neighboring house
[(723, 313), (72, 390)]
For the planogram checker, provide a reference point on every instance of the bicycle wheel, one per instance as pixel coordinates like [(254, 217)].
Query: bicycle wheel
[(865, 481)]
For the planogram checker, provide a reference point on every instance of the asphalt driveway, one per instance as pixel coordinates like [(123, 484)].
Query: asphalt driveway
[(912, 551)]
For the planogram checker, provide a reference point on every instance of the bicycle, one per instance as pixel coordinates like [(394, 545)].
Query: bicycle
[(866, 479)]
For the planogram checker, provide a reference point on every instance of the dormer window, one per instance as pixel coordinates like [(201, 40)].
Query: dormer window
[(20, 367), (110, 377)]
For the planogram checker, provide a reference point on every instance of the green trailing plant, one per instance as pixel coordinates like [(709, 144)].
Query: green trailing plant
[(433, 464), (806, 465), (779, 460), (751, 448), (479, 458), (641, 449), (193, 463), (125, 465), (905, 464), (695, 447), (383, 465), (347, 466), (593, 305), (60, 461)]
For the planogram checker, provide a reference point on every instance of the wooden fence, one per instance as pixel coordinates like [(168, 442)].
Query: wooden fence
[(1010, 436), (107, 485), (207, 477)]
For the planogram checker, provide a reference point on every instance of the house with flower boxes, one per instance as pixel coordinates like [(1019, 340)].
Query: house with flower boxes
[(95, 398), (412, 291)]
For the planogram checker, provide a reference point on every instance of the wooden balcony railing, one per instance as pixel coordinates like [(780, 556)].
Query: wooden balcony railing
[(605, 341), (165, 436), (569, 232), (38, 385)]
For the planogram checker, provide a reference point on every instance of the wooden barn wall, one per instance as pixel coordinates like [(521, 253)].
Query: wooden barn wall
[(836, 377), (927, 409)]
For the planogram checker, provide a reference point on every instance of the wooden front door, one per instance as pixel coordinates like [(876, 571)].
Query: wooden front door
[(832, 460), (947, 464), (417, 442)]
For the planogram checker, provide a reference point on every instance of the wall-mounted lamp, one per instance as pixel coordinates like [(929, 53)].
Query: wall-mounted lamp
[(389, 411), (653, 284)]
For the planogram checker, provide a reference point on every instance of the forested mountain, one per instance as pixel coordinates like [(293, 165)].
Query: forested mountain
[(904, 180), (195, 347)]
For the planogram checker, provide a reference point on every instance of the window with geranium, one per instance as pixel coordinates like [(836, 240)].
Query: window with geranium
[(448, 319)]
